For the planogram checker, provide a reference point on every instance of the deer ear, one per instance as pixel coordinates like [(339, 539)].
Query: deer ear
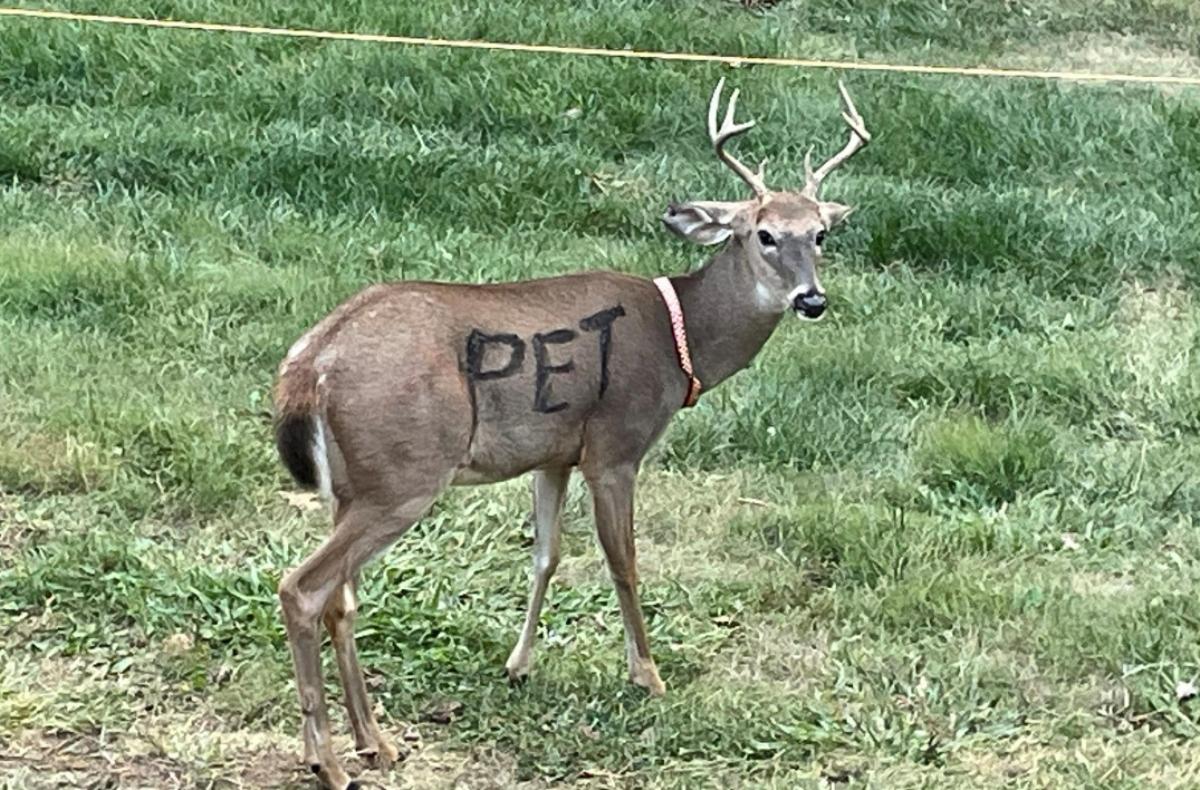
[(833, 214), (704, 222)]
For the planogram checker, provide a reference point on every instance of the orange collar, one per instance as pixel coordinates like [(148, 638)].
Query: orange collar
[(667, 291)]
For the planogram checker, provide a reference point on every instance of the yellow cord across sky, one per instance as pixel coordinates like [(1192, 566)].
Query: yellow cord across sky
[(553, 49)]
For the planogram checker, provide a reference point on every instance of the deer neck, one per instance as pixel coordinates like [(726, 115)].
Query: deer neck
[(727, 322)]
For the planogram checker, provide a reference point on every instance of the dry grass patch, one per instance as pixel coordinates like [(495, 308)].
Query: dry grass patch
[(38, 462), (1103, 585), (1158, 336), (768, 651), (1143, 758), (682, 522), (1104, 52)]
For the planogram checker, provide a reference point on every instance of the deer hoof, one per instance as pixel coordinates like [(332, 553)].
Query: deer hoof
[(382, 757), (335, 778), (656, 688), (517, 668), (646, 676)]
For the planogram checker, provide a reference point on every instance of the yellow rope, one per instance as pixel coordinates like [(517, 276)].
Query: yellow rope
[(733, 60)]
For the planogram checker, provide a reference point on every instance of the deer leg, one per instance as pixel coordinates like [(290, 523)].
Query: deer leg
[(305, 594), (549, 490), (339, 621), (612, 496)]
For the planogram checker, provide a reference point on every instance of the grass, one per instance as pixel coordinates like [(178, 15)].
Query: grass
[(944, 536)]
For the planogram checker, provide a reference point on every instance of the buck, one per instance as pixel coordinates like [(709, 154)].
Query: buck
[(408, 388)]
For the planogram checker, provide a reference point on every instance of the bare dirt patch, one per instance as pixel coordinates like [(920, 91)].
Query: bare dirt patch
[(232, 760)]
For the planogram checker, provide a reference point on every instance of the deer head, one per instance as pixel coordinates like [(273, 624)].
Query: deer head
[(780, 234)]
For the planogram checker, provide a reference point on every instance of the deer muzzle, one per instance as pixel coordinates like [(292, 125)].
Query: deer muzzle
[(809, 304)]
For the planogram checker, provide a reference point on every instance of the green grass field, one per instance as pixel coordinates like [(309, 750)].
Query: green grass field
[(947, 536)]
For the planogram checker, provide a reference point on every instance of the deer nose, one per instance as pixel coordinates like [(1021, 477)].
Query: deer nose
[(810, 304)]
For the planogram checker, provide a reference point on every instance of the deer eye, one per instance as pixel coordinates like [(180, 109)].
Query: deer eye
[(820, 237), (766, 239)]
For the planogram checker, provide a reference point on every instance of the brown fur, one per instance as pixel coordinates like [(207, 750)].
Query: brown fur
[(393, 361), (296, 385)]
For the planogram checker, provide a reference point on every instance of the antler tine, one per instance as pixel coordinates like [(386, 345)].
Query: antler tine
[(859, 137), (729, 129)]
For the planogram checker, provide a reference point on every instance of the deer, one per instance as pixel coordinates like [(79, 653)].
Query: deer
[(408, 388)]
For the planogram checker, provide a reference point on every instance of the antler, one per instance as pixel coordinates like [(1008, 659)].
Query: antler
[(727, 132), (859, 137)]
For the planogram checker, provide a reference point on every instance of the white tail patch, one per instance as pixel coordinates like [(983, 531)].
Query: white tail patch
[(296, 350), (298, 347), (320, 456)]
